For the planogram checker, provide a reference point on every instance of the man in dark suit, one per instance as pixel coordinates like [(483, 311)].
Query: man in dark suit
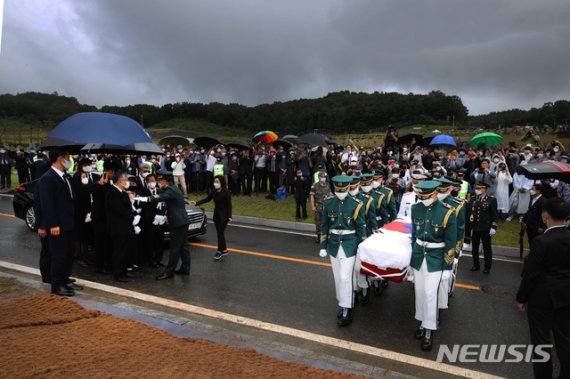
[(545, 287), (39, 167), (55, 210), (101, 237), (121, 224), (152, 224), (533, 217), (483, 215), (177, 225)]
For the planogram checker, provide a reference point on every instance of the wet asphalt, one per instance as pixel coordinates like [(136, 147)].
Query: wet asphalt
[(301, 295)]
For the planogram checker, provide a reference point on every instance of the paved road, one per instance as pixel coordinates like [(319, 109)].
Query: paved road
[(279, 278)]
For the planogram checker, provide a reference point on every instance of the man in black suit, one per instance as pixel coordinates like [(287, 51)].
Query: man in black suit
[(121, 224), (545, 287), (533, 217), (101, 237), (152, 224), (55, 218)]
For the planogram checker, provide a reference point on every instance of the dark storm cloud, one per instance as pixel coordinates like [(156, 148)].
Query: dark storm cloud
[(494, 54)]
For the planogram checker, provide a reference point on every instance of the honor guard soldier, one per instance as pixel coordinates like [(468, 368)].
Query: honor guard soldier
[(366, 181), (382, 213), (444, 195), (343, 228), (410, 197), (434, 237), (390, 200), (483, 217), (367, 201)]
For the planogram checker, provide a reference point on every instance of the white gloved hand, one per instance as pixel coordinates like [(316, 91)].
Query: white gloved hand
[(323, 253), (88, 218), (142, 199), (156, 220), (136, 220), (446, 275), (455, 261), (492, 232), (137, 230), (138, 210), (164, 220)]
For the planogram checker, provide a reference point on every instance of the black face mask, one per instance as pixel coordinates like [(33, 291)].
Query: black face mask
[(454, 193)]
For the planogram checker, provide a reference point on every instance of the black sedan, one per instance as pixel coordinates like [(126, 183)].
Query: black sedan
[(23, 204)]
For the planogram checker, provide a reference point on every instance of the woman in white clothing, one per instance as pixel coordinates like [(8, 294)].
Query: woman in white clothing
[(520, 198), (178, 167), (503, 180)]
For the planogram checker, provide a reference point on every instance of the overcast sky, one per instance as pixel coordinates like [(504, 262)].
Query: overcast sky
[(494, 54)]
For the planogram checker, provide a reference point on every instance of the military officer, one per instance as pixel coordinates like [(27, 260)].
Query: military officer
[(177, 225), (343, 228), (434, 237), (382, 213), (483, 217), (409, 198), (390, 199), (320, 190), (444, 194)]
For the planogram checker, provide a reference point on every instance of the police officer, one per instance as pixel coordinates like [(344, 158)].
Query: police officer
[(444, 195), (409, 198), (343, 227), (483, 217), (382, 213), (177, 225), (434, 237), (320, 190)]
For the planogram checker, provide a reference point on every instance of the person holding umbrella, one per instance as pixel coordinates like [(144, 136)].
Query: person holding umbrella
[(222, 213)]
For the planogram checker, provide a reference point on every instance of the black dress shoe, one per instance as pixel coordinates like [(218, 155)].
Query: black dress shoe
[(345, 318), (486, 270), (427, 342), (420, 333), (182, 272), (365, 296), (164, 275), (123, 279), (339, 314), (62, 290), (474, 268), (74, 287)]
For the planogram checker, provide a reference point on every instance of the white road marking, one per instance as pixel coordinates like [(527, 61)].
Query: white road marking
[(6, 195), (329, 341), (270, 229)]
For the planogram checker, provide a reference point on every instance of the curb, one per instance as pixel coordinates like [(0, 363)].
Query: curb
[(304, 227)]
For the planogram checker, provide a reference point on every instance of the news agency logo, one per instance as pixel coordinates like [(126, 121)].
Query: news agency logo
[(493, 353)]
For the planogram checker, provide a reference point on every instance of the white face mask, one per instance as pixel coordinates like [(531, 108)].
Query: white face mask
[(496, 160), (87, 169), (427, 202), (441, 196), (66, 164), (145, 174), (322, 180), (85, 180), (2, 151), (556, 149), (127, 162), (353, 192), (127, 185), (532, 192), (217, 185), (151, 185), (478, 192), (375, 184), (341, 195), (366, 188)]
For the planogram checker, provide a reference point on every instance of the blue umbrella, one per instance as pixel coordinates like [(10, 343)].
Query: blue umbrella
[(96, 128), (443, 139)]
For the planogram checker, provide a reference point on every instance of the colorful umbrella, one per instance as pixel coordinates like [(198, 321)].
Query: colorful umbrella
[(265, 136), (486, 139), (443, 140)]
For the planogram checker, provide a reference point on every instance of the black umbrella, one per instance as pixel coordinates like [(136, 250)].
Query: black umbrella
[(406, 138), (135, 148), (240, 145), (426, 141), (286, 145), (314, 139), (548, 170), (290, 137), (206, 142), (174, 141)]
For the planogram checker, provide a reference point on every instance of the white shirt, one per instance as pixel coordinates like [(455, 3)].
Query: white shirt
[(178, 168), (260, 161), (210, 162), (61, 174), (554, 227)]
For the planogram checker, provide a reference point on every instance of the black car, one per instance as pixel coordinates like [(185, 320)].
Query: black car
[(23, 204)]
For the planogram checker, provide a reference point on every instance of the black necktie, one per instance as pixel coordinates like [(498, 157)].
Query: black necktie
[(66, 180)]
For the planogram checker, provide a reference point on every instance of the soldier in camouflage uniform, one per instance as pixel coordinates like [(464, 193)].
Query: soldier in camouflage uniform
[(382, 213), (434, 239), (343, 228), (320, 190)]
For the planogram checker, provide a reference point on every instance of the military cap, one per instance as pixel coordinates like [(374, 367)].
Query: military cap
[(163, 175), (444, 182), (355, 180), (426, 189), (341, 183), (456, 182), (366, 178), (481, 185), (378, 173), (417, 175)]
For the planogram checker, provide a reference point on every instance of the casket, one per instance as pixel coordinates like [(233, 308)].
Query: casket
[(392, 274)]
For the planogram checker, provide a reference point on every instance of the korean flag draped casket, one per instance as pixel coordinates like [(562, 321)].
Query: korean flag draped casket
[(388, 254)]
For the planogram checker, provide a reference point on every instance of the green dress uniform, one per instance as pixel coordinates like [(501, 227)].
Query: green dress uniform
[(390, 202), (434, 238), (367, 203), (343, 228), (483, 216), (177, 225), (319, 191), (380, 208)]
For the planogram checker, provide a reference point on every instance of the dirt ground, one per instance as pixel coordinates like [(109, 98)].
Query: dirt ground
[(45, 336)]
